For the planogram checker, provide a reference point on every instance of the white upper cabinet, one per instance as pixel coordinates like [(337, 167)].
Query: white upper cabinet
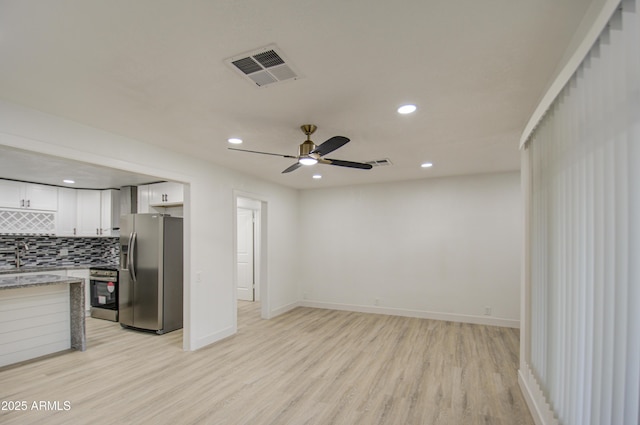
[(22, 195), (66, 219), (84, 212), (78, 212), (143, 199), (10, 194), (165, 194), (40, 197), (88, 212), (110, 212)]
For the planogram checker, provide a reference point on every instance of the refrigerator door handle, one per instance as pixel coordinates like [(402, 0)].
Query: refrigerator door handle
[(132, 258), (124, 254), (126, 260)]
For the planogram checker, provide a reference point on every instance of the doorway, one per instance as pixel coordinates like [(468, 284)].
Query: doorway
[(246, 254), (248, 249)]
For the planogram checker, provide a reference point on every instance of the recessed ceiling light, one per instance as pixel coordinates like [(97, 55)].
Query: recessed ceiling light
[(426, 165), (407, 109), (317, 176), (235, 140), (68, 181)]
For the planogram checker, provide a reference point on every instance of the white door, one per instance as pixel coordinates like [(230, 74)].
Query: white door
[(245, 255)]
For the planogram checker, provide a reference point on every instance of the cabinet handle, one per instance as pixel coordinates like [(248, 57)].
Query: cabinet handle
[(74, 231), (29, 203), (22, 202), (97, 231)]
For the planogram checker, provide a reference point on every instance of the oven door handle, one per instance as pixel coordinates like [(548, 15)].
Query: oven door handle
[(132, 257), (103, 279)]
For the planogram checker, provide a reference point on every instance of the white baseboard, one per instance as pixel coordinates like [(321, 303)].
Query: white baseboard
[(214, 337), (281, 310), (450, 317), (540, 410)]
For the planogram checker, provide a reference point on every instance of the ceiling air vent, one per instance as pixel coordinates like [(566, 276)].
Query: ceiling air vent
[(379, 162), (263, 67)]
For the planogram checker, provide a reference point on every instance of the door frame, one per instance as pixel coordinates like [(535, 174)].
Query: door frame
[(259, 204)]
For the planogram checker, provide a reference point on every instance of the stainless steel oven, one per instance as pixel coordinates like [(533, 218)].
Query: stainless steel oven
[(103, 287)]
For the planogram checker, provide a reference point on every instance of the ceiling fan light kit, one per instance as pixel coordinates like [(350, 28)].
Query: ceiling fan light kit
[(307, 160), (407, 109), (310, 154)]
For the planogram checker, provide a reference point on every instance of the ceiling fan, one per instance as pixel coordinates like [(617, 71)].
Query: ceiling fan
[(309, 153)]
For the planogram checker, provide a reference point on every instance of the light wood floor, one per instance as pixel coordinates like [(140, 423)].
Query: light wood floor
[(309, 366)]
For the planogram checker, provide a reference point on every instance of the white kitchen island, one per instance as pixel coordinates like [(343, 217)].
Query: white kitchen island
[(39, 315)]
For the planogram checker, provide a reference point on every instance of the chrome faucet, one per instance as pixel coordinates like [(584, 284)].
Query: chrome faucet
[(20, 249)]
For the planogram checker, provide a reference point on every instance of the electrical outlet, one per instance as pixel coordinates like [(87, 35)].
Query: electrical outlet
[(198, 277), (487, 310), (64, 252), (376, 301)]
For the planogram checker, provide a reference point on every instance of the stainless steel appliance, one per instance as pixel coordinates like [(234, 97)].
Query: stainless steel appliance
[(103, 289), (150, 296)]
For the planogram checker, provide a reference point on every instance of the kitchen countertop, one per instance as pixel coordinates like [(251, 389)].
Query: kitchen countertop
[(14, 270), (37, 280)]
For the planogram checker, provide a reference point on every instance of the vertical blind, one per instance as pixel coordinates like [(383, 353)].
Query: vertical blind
[(584, 225)]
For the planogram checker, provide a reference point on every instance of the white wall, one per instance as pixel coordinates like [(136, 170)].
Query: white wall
[(441, 248), (209, 213)]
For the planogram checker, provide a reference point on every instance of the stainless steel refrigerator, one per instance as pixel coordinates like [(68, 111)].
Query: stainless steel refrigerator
[(150, 292)]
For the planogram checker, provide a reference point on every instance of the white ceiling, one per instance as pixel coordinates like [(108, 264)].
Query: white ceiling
[(22, 165), (154, 71)]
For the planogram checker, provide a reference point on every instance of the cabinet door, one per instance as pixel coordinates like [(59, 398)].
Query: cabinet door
[(110, 212), (28, 195), (10, 194), (88, 213), (41, 197), (156, 194), (173, 193), (165, 194), (66, 218), (143, 199)]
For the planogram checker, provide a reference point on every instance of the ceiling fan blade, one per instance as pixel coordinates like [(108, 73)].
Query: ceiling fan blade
[(264, 153), (292, 168), (350, 164), (330, 145)]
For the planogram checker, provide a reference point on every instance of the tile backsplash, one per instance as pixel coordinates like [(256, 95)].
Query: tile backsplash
[(48, 251)]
